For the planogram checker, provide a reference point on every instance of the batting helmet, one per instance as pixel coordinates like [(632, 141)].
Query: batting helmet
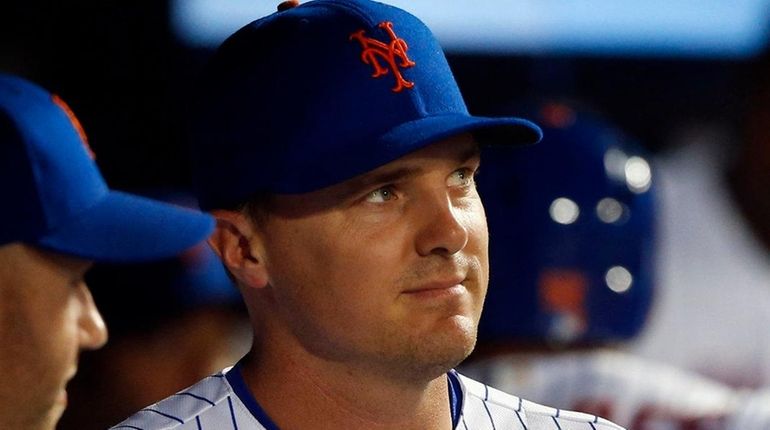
[(571, 224)]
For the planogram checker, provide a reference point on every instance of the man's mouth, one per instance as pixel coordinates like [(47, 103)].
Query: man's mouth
[(450, 286)]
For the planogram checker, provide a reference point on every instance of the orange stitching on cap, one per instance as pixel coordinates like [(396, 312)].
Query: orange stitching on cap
[(75, 123), (396, 48)]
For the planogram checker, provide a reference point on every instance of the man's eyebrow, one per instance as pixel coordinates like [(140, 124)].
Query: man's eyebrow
[(470, 153), (394, 175)]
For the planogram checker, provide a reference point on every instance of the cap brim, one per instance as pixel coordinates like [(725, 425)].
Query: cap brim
[(127, 228), (334, 167), (488, 131)]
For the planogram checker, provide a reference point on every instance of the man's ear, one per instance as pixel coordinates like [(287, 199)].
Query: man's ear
[(238, 245)]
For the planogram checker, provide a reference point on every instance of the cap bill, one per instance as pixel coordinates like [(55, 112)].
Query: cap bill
[(125, 228), (332, 167), (488, 131)]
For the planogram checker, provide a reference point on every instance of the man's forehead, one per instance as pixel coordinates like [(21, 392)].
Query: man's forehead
[(21, 262)]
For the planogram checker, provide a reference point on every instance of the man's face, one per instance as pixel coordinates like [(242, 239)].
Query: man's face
[(387, 270), (46, 317)]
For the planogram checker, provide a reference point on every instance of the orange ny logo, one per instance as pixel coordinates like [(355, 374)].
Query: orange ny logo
[(374, 50)]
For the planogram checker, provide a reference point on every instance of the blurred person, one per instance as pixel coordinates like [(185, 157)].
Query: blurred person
[(576, 219), (58, 218), (713, 306), (172, 322)]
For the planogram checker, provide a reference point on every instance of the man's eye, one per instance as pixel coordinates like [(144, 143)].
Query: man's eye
[(381, 195), (461, 177)]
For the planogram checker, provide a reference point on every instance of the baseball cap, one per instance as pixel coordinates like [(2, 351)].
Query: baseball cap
[(55, 197), (316, 94)]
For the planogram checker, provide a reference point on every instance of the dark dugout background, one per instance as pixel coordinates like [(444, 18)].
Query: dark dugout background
[(129, 79)]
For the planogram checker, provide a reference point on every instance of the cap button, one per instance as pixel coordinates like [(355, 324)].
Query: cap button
[(288, 4)]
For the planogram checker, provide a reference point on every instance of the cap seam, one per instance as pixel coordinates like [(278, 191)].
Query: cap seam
[(348, 7)]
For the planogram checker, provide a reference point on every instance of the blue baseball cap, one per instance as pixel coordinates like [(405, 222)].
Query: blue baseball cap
[(56, 198), (316, 94)]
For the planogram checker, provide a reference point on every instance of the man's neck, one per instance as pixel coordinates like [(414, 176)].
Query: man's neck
[(298, 392)]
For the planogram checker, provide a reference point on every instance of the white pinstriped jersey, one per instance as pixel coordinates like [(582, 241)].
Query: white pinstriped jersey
[(222, 402), (631, 391)]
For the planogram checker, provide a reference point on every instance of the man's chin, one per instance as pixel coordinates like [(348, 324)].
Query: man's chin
[(55, 412), (46, 420), (444, 350), (55, 415)]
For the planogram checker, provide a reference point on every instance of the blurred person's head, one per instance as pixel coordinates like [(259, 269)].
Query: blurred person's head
[(172, 322), (572, 223), (58, 218)]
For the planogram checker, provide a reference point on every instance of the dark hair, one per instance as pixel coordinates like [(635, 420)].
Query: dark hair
[(256, 207)]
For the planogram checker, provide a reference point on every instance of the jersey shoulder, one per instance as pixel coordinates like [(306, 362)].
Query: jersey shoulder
[(485, 407), (210, 404)]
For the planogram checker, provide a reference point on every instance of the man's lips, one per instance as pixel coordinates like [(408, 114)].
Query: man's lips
[(450, 286), (62, 397)]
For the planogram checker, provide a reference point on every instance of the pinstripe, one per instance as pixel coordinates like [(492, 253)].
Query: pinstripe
[(164, 414), (232, 412), (486, 397), (518, 415), (196, 397), (499, 409), (492, 421), (127, 427), (557, 422), (198, 421)]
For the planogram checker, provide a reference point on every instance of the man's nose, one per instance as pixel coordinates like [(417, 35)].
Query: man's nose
[(444, 231), (92, 330)]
